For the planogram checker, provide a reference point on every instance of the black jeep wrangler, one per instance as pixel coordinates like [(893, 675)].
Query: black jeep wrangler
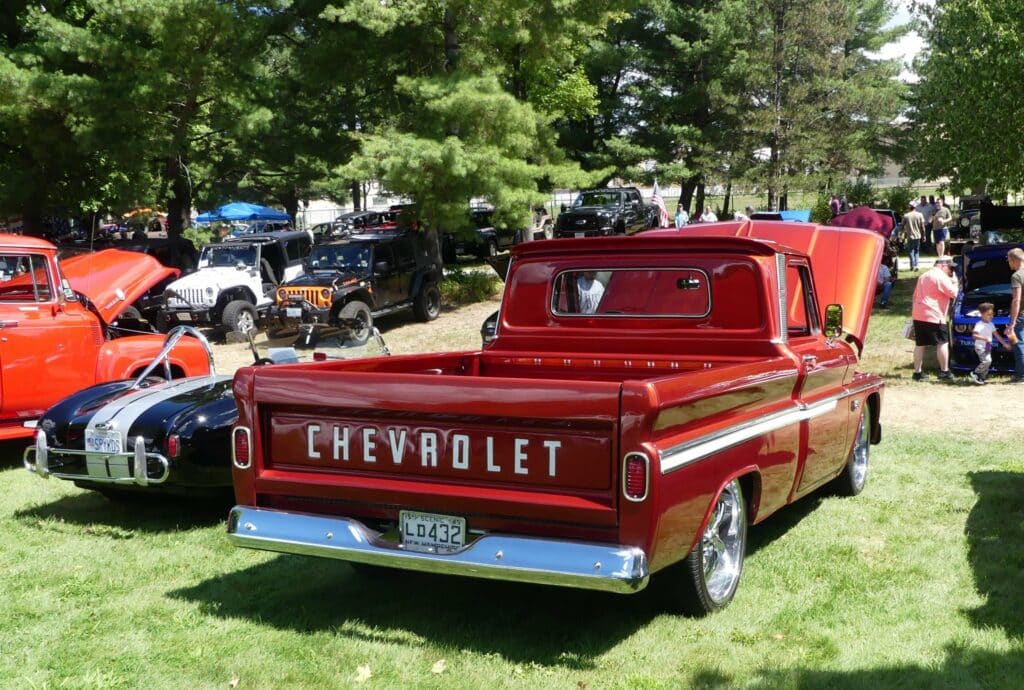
[(611, 211), (346, 283)]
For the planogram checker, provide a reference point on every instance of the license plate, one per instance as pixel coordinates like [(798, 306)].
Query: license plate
[(106, 441), (430, 533), (580, 234), (183, 316), (293, 312)]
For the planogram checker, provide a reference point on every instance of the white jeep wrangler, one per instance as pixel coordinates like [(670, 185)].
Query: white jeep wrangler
[(233, 285)]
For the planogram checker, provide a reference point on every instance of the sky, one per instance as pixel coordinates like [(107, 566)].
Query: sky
[(907, 47)]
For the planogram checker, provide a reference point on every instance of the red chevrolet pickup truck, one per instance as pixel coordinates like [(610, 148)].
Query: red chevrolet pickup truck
[(643, 400)]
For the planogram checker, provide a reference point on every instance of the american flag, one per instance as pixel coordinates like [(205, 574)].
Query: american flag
[(660, 203)]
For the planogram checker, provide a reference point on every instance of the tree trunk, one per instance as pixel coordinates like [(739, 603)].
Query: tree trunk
[(686, 189), (357, 192), (451, 41), (290, 201), (179, 200), (699, 208), (775, 138), (727, 201)]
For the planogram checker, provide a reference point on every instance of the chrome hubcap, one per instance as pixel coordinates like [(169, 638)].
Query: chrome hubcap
[(246, 322), (722, 543)]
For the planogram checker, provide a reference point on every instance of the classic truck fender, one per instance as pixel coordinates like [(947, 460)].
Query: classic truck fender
[(750, 482), (125, 357)]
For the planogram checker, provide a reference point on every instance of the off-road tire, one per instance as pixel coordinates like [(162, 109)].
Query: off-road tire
[(427, 305), (239, 316), (360, 311)]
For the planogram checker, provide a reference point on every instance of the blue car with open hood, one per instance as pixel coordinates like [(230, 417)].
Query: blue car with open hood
[(985, 278)]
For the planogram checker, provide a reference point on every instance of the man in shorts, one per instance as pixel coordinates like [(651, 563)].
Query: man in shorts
[(932, 294)]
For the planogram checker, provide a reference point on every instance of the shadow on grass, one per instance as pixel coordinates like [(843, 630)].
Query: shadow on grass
[(962, 668), (523, 623), (995, 542), (11, 453), (146, 513)]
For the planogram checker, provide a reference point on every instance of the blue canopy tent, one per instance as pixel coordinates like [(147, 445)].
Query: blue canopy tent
[(240, 210)]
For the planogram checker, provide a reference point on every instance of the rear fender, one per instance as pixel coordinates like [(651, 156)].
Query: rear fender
[(750, 483), (123, 357), (421, 277)]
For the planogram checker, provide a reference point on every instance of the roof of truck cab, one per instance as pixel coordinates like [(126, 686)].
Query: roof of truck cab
[(11, 240), (845, 260)]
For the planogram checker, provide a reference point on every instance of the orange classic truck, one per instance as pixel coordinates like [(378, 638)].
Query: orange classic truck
[(58, 331), (643, 401)]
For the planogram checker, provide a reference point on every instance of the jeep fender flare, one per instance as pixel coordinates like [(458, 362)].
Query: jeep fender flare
[(428, 275), (345, 295), (239, 292)]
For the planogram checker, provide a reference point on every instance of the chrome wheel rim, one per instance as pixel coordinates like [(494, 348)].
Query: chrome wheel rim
[(433, 302), (859, 461), (246, 322), (722, 544)]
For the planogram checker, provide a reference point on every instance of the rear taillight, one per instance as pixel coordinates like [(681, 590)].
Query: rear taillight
[(173, 446), (241, 447), (636, 475)]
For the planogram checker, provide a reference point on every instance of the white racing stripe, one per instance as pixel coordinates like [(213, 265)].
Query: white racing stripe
[(122, 412)]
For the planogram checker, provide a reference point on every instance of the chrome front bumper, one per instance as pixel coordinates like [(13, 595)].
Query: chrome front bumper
[(605, 567), (37, 459)]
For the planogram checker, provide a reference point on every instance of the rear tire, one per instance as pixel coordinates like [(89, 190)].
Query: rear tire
[(707, 579), (427, 305), (360, 312), (239, 316)]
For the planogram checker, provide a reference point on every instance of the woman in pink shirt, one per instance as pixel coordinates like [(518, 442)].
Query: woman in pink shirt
[(932, 295)]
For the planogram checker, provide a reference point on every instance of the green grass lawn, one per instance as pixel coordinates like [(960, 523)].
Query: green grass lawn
[(915, 583)]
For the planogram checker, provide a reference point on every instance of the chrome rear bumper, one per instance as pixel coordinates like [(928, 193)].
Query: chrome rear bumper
[(605, 567)]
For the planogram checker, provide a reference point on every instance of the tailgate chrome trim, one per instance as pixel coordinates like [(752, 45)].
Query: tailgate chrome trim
[(605, 567)]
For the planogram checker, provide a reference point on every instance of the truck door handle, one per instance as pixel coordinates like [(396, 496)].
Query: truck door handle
[(810, 360), (8, 324)]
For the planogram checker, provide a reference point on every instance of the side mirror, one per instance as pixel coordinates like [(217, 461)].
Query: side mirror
[(833, 320), (381, 267), (564, 208)]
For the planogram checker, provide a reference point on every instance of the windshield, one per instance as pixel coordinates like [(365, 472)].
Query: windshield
[(598, 199), (228, 255), (348, 256)]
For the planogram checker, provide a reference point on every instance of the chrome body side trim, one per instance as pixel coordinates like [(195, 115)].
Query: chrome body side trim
[(673, 458), (780, 271), (605, 567)]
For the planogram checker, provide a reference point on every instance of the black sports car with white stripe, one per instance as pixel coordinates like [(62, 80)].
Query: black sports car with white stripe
[(146, 434)]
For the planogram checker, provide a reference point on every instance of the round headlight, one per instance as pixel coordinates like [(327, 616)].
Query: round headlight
[(962, 328), (325, 293), (282, 295), (211, 291), (965, 222)]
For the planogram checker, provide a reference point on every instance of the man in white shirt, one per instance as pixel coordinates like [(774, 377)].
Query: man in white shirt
[(590, 291), (708, 216)]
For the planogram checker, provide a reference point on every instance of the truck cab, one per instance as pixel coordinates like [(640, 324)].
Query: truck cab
[(58, 330)]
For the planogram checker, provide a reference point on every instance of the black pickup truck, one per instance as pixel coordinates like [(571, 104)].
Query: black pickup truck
[(610, 211)]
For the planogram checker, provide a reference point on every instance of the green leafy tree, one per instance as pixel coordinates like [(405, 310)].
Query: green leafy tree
[(966, 107)]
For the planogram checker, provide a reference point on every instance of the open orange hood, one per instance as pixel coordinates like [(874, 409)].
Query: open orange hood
[(114, 279), (844, 260)]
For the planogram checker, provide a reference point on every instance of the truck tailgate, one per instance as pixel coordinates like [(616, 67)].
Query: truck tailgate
[(495, 448)]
